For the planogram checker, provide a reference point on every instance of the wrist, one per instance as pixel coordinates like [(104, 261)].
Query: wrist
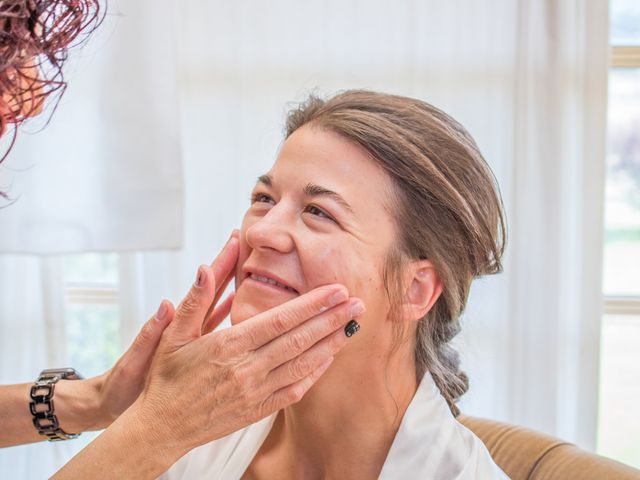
[(132, 447), (77, 405), (151, 434)]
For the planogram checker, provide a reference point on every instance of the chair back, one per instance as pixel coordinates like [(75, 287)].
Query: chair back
[(524, 454)]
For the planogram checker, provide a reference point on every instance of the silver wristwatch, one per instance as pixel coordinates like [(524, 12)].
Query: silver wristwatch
[(41, 405)]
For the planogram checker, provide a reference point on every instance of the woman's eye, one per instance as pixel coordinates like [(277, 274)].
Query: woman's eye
[(313, 210), (261, 198)]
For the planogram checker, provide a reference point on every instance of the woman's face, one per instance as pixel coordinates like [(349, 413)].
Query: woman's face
[(321, 215)]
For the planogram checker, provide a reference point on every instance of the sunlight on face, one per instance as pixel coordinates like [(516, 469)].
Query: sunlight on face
[(319, 216)]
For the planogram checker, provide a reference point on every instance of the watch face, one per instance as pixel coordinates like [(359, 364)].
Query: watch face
[(64, 373)]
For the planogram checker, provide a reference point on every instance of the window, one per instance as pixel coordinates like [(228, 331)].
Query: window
[(92, 311), (619, 419)]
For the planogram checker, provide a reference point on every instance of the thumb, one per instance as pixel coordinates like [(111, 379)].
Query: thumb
[(192, 311), (138, 357)]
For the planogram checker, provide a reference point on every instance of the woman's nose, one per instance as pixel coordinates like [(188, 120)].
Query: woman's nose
[(272, 231)]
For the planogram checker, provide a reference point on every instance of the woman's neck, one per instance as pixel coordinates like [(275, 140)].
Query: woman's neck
[(345, 425)]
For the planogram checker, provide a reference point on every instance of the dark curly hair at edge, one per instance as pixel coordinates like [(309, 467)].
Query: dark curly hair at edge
[(35, 36)]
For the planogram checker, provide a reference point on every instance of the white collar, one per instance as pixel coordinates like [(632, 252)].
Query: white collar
[(430, 444)]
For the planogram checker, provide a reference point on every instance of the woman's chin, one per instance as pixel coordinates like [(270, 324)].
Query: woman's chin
[(239, 313), (244, 307)]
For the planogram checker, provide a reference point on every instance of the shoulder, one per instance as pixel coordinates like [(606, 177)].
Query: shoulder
[(478, 461), (431, 442)]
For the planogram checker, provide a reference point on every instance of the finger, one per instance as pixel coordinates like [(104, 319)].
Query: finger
[(219, 292), (293, 393), (224, 268), (138, 356), (224, 265), (305, 364), (218, 315), (191, 312), (223, 285), (264, 327), (305, 336)]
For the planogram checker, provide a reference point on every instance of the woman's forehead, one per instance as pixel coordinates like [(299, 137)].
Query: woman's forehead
[(317, 156)]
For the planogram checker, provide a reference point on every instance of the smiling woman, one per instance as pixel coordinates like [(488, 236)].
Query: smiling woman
[(392, 198)]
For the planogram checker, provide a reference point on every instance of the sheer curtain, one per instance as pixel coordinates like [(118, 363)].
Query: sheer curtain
[(527, 78), (555, 299), (105, 174)]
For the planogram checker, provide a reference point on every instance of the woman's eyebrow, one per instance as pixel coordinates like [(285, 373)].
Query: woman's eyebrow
[(313, 190), (265, 179)]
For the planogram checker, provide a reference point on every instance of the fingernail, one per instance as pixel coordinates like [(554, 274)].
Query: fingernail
[(356, 309), (200, 278), (338, 297), (351, 328), (162, 311)]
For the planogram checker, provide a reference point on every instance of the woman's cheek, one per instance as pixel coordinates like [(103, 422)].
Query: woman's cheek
[(324, 264), (361, 271)]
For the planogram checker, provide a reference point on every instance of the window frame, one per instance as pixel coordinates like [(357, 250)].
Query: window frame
[(623, 56)]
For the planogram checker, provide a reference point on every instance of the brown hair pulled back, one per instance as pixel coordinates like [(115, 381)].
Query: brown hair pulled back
[(448, 207)]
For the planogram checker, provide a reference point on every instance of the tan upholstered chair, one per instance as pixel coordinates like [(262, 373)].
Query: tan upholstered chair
[(524, 454)]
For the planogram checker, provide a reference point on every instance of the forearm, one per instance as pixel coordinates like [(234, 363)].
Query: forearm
[(15, 417), (131, 448), (75, 405)]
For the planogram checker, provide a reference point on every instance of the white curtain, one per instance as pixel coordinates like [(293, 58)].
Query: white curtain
[(526, 77), (32, 337), (104, 175), (556, 210)]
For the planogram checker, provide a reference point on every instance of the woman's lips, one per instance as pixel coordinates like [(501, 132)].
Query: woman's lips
[(269, 282)]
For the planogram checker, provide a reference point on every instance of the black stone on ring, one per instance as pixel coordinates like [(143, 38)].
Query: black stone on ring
[(351, 328)]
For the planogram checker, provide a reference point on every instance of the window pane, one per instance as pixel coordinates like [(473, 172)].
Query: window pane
[(625, 22), (619, 417), (622, 203), (93, 337), (91, 268)]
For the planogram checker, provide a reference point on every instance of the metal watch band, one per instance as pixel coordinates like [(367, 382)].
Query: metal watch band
[(42, 407)]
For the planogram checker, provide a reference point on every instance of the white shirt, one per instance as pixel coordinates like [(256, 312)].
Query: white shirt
[(430, 444)]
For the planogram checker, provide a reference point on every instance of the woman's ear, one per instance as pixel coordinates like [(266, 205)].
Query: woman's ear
[(423, 289)]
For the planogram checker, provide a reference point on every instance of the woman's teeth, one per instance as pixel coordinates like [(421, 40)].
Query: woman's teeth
[(260, 278)]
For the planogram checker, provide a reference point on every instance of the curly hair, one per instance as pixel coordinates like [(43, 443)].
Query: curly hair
[(35, 36), (447, 205)]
